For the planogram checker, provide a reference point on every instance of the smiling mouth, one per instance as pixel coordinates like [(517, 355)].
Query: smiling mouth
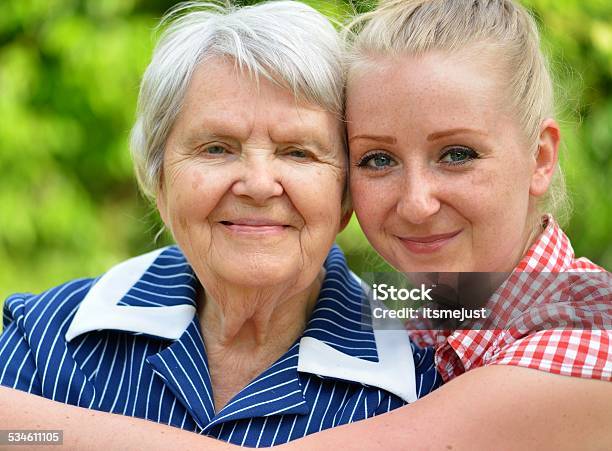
[(427, 244), (254, 227)]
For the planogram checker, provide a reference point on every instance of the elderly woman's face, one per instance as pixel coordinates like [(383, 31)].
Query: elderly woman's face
[(440, 174), (252, 180)]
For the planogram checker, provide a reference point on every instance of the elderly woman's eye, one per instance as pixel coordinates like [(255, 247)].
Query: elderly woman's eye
[(458, 155), (376, 161), (297, 153), (214, 150)]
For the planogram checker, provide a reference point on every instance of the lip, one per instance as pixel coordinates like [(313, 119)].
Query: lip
[(429, 243), (254, 226)]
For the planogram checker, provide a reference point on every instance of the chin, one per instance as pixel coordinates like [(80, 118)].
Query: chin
[(254, 273), (430, 263)]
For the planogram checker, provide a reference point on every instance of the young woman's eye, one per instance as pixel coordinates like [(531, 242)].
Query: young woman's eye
[(458, 155), (376, 161)]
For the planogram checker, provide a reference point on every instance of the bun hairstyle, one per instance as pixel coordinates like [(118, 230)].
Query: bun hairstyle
[(501, 29)]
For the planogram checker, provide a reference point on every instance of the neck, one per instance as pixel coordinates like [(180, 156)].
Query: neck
[(533, 229), (246, 331), (234, 316)]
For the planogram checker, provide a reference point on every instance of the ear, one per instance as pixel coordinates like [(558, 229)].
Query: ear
[(346, 217), (546, 157)]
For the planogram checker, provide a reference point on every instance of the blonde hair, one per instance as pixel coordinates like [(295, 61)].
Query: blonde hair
[(400, 27)]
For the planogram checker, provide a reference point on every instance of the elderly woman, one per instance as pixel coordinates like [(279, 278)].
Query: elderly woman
[(250, 329), (453, 150)]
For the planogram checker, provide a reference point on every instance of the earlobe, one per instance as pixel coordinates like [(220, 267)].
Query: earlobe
[(546, 157)]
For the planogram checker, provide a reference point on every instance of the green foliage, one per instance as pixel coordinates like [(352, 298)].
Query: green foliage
[(69, 73), (578, 37)]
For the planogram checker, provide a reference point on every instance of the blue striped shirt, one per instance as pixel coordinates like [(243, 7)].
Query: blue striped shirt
[(129, 342)]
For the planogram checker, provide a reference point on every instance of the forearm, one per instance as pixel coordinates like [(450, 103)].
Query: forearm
[(92, 430), (488, 408), (496, 407)]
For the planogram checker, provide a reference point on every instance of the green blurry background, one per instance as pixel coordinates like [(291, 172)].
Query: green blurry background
[(69, 73)]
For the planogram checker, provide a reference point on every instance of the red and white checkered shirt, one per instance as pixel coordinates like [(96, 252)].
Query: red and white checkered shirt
[(548, 287)]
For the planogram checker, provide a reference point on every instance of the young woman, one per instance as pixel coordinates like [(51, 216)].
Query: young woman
[(454, 168)]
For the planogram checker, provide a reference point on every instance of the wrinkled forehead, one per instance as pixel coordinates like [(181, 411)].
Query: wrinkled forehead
[(226, 100)]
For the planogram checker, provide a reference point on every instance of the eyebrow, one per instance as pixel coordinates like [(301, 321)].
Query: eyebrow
[(381, 138), (296, 135), (194, 138), (207, 135), (453, 131)]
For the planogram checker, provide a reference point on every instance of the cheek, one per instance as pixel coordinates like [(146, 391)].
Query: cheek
[(316, 193), (194, 191), (509, 190), (371, 199), (495, 202), (475, 194)]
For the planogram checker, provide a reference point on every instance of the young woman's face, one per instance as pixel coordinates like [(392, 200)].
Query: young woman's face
[(440, 169)]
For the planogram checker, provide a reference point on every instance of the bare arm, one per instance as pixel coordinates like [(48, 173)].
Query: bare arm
[(93, 430), (496, 407)]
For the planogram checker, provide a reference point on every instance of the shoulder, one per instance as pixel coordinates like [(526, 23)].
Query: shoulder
[(584, 353), (557, 312), (52, 310), (566, 329), (56, 304), (553, 252), (33, 325)]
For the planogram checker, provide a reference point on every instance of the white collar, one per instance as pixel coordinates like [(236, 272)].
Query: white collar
[(394, 371), (99, 309)]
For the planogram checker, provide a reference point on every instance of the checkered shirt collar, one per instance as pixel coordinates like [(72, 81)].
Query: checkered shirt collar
[(551, 252)]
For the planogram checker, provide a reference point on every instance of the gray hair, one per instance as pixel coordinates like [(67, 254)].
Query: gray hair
[(415, 27), (288, 43)]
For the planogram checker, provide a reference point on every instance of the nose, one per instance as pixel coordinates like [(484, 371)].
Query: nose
[(259, 180), (418, 199)]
